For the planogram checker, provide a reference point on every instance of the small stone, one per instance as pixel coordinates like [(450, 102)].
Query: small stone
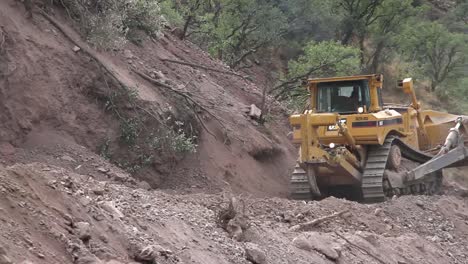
[(378, 212), (420, 203), (83, 230), (144, 185), (40, 255), (159, 75), (109, 206), (302, 243), (118, 176), (67, 158), (103, 170), (76, 48), (85, 201), (99, 190), (255, 112), (128, 54), (254, 254)]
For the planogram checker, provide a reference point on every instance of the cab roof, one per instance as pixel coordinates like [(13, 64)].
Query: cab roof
[(344, 78)]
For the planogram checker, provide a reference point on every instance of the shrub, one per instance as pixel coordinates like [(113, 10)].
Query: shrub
[(106, 23)]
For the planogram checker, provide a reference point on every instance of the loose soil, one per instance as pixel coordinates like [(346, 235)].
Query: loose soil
[(63, 202)]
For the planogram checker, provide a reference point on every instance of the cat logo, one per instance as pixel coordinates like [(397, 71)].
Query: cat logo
[(335, 127)]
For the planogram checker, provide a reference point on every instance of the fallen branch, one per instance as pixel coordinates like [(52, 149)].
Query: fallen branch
[(315, 222), (361, 248), (109, 70), (186, 96), (203, 67)]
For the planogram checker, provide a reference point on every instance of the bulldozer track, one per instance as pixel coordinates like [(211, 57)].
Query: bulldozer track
[(373, 176), (300, 187), (375, 186)]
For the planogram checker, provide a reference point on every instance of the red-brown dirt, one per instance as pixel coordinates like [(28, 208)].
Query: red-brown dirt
[(62, 202), (48, 88)]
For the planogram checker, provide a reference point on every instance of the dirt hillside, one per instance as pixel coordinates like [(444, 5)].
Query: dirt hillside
[(63, 199), (51, 93)]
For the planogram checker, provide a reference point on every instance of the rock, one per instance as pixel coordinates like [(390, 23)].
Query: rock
[(103, 170), (318, 242), (378, 212), (255, 112), (128, 54), (148, 253), (159, 75), (109, 206), (99, 190), (118, 176), (420, 203), (67, 158), (144, 185), (85, 201), (83, 230), (88, 259), (254, 254), (302, 243), (7, 149), (76, 48)]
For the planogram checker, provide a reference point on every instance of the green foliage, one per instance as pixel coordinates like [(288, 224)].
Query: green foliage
[(173, 140), (320, 59), (129, 131), (439, 53), (144, 15), (325, 58), (171, 15), (245, 26), (106, 23)]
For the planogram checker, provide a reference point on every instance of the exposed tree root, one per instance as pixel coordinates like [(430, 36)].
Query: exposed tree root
[(109, 70)]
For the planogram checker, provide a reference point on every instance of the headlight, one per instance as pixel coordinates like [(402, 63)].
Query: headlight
[(332, 145), (360, 109)]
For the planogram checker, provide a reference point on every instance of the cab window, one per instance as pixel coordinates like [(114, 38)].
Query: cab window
[(342, 97)]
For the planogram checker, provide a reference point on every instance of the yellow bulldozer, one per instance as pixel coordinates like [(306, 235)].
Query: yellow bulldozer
[(353, 145)]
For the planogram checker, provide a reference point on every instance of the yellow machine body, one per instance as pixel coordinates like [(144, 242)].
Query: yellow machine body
[(335, 143)]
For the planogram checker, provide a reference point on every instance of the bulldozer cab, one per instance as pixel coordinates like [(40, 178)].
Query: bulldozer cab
[(342, 97), (346, 95)]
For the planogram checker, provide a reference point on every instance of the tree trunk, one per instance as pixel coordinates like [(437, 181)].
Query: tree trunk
[(374, 67), (186, 25)]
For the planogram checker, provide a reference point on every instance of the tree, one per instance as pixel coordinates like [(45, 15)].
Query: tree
[(319, 59), (391, 17), (358, 15), (243, 27), (440, 54)]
